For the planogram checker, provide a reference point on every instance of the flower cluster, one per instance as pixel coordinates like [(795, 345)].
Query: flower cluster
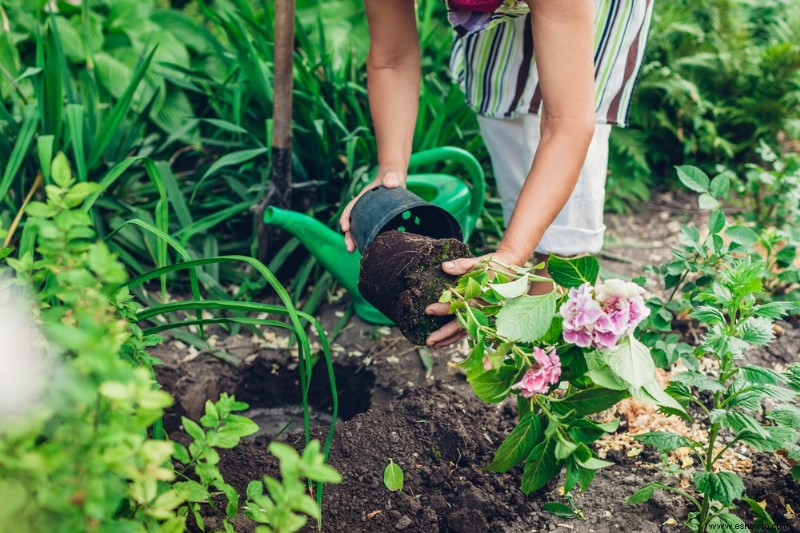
[(599, 317), (540, 376)]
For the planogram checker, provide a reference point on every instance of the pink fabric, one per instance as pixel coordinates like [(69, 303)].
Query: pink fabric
[(481, 6)]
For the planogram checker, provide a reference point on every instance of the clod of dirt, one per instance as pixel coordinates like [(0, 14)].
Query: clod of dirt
[(401, 274)]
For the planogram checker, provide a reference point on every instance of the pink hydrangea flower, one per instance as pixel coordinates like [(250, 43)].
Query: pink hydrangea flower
[(598, 317), (539, 377)]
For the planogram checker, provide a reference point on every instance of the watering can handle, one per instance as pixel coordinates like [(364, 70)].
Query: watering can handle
[(470, 164)]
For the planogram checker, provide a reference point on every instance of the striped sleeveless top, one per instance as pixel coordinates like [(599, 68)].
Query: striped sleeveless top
[(492, 58)]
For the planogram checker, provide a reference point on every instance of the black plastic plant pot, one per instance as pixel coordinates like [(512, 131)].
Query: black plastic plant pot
[(381, 209)]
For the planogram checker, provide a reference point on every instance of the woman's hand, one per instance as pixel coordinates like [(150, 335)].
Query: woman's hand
[(388, 176), (452, 331)]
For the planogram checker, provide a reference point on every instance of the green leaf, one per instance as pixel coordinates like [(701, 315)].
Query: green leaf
[(587, 401), (540, 467), (192, 429), (192, 491), (737, 421), (573, 272), (724, 487), (601, 374), (720, 185), (653, 393), (757, 331), (761, 376), (693, 378), (527, 318), (795, 471), (493, 386), (663, 442), (706, 201), (393, 477), (60, 171), (643, 494), (518, 445), (725, 521), (559, 509), (716, 221), (693, 178), (593, 463), (742, 235), (787, 415), (709, 315), (631, 361), (513, 289), (759, 511)]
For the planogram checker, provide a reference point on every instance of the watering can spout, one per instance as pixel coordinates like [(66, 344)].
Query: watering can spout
[(328, 248)]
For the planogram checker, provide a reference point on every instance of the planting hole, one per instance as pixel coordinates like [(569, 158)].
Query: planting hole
[(274, 395)]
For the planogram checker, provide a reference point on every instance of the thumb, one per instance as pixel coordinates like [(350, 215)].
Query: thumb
[(391, 180), (457, 267)]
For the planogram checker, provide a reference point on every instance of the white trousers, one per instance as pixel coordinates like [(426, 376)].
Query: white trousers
[(578, 228)]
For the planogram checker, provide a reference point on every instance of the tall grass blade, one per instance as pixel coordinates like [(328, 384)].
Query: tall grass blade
[(20, 151)]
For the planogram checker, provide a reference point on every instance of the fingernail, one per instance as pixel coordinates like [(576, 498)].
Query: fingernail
[(449, 265), (391, 181)]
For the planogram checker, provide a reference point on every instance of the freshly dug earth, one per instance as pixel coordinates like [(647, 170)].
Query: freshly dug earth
[(401, 274), (442, 437)]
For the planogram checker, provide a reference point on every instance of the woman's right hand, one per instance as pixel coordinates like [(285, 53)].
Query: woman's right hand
[(388, 176)]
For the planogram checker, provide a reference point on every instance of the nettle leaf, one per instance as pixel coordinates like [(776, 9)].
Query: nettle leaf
[(540, 467), (663, 441), (787, 415), (527, 318), (742, 235), (757, 331), (792, 375), (693, 378), (724, 487), (587, 401), (518, 445), (761, 376), (631, 361), (693, 178), (737, 421), (574, 272), (709, 315), (494, 386), (779, 437), (512, 289)]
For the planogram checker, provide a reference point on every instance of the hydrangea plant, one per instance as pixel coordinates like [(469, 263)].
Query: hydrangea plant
[(565, 355)]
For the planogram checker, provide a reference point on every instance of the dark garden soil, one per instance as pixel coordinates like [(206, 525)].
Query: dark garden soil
[(401, 274), (401, 402)]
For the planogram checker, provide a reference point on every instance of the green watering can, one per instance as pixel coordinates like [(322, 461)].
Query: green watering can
[(451, 193)]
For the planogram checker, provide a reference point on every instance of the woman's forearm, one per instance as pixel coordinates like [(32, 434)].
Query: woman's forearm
[(393, 78), (549, 183)]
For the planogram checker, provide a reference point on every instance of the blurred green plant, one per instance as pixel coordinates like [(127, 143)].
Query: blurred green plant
[(83, 459), (718, 78)]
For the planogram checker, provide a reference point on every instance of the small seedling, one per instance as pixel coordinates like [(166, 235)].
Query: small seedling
[(393, 477)]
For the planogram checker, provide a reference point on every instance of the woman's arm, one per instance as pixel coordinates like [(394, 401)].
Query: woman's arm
[(393, 78), (563, 33)]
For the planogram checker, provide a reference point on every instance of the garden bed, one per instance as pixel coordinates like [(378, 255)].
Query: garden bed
[(399, 402), (442, 437)]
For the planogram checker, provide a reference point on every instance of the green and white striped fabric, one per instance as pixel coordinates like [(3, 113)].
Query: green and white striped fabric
[(493, 62)]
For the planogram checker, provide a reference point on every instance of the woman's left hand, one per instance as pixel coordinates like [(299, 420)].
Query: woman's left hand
[(452, 332)]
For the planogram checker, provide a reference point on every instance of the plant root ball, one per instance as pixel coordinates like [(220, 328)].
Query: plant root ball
[(401, 274)]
